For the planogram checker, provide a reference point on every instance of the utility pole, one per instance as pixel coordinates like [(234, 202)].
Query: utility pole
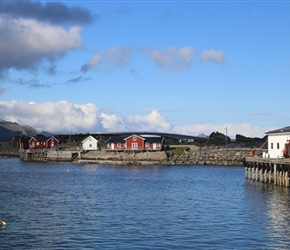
[(226, 138)]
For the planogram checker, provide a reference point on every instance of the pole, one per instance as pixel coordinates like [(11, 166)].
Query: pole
[(226, 138)]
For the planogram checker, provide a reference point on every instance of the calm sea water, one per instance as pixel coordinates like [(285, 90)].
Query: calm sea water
[(70, 206)]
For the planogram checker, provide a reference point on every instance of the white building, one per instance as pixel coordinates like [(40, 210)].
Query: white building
[(276, 142), (90, 143)]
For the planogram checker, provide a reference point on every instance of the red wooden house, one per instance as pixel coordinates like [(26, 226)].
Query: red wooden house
[(32, 143), (116, 144), (136, 142), (43, 142)]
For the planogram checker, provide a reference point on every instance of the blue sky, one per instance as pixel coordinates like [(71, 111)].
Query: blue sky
[(190, 67)]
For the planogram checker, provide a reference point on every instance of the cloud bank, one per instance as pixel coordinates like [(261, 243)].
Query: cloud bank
[(170, 59), (33, 33), (52, 12), (26, 43), (64, 117), (173, 58)]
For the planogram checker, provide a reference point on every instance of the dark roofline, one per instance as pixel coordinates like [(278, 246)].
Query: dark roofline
[(280, 130)]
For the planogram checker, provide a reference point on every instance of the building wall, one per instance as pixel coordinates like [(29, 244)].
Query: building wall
[(276, 144), (153, 146), (52, 143), (90, 144), (32, 143), (137, 144)]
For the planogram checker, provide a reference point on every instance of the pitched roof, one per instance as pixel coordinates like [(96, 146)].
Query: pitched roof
[(280, 130), (134, 135), (89, 137), (42, 139), (115, 139), (154, 139)]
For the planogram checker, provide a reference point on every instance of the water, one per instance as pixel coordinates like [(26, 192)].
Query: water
[(70, 206)]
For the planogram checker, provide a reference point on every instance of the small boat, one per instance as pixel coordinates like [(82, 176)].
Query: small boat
[(3, 223)]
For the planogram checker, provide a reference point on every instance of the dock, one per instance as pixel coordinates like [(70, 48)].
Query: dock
[(268, 170)]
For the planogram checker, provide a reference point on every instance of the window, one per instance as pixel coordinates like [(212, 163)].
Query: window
[(90, 145), (272, 145), (277, 145), (134, 145), (147, 144), (134, 138), (119, 144)]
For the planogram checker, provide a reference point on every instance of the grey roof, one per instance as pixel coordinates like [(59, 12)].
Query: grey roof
[(116, 139), (156, 139), (280, 130)]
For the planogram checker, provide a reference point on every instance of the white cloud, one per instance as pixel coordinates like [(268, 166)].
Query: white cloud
[(63, 117), (93, 62), (119, 56), (151, 122), (172, 58), (51, 116), (24, 43), (116, 57), (112, 123), (213, 56)]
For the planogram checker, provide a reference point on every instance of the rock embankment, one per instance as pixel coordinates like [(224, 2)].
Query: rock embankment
[(202, 156), (217, 156), (126, 158)]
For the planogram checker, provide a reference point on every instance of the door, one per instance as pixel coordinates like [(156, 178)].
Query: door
[(135, 145)]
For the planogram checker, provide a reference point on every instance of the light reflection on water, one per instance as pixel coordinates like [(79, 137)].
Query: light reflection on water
[(67, 206)]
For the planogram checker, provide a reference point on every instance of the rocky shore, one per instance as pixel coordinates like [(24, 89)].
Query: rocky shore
[(200, 156)]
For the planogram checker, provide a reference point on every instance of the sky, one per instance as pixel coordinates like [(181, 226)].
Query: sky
[(188, 67)]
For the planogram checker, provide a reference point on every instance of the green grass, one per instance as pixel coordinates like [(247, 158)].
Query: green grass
[(179, 150)]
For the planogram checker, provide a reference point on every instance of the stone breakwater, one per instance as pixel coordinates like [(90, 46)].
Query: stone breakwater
[(202, 156)]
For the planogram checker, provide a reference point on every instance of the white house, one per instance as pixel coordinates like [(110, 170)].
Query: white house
[(90, 143), (276, 142)]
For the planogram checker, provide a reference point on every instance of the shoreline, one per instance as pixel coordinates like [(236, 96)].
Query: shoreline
[(205, 156)]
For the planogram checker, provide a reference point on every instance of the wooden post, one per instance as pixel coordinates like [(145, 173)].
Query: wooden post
[(280, 178), (246, 173), (257, 174), (286, 179), (252, 173), (261, 175), (265, 175), (270, 174), (275, 174)]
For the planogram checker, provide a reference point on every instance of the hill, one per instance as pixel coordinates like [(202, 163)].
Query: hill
[(9, 130)]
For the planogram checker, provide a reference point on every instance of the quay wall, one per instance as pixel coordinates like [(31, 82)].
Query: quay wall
[(8, 154), (199, 156), (204, 156)]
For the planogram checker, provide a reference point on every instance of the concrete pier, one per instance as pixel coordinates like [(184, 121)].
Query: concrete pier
[(268, 170)]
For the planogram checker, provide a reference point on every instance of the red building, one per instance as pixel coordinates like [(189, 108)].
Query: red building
[(136, 142), (116, 143), (43, 142)]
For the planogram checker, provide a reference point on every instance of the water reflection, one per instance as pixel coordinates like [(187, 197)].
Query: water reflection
[(279, 215), (269, 205)]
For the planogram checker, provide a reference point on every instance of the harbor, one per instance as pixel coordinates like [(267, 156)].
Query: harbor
[(268, 170)]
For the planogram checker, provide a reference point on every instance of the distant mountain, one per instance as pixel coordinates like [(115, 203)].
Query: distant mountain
[(9, 130), (46, 133)]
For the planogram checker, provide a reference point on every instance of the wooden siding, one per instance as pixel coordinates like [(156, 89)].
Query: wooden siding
[(135, 142)]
